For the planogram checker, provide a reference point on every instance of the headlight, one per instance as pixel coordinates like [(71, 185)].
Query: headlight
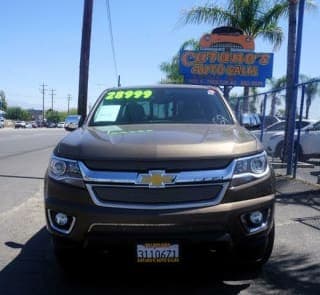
[(250, 168), (65, 170), (58, 167)]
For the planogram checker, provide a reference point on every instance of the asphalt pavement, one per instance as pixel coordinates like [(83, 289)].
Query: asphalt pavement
[(24, 156)]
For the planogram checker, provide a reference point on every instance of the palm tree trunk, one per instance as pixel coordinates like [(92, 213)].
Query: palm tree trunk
[(308, 104), (291, 57)]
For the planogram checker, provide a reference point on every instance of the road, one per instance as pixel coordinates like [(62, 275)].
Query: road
[(27, 265), (24, 155)]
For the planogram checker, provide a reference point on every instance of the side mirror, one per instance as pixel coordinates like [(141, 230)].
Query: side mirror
[(72, 122)]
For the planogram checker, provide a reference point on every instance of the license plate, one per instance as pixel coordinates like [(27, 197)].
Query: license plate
[(157, 253)]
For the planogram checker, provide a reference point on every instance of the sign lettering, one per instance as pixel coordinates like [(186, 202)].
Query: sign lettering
[(129, 94), (237, 68)]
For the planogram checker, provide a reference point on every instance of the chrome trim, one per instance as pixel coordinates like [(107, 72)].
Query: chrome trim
[(63, 231), (141, 206), (133, 177), (107, 176)]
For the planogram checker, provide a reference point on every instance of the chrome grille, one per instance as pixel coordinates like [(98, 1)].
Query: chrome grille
[(144, 195), (189, 189)]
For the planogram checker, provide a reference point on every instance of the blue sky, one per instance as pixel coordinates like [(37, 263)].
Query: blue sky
[(40, 42)]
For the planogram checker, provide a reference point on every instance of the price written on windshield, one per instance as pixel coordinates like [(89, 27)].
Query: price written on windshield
[(129, 94)]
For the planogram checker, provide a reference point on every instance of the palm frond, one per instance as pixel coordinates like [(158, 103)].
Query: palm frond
[(212, 15), (272, 34)]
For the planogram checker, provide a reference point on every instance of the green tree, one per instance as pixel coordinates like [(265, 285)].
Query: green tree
[(53, 116), (3, 102), (311, 91), (171, 69), (17, 113), (256, 18)]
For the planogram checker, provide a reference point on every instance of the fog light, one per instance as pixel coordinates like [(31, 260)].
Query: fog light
[(61, 219), (256, 217)]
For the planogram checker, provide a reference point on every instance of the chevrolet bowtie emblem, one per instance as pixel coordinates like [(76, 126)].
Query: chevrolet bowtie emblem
[(156, 179)]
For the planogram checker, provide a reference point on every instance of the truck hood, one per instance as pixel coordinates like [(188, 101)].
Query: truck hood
[(157, 142)]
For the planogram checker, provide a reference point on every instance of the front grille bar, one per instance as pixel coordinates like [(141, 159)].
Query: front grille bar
[(220, 177), (196, 204), (116, 177)]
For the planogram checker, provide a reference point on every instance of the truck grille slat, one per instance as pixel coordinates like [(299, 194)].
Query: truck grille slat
[(167, 195)]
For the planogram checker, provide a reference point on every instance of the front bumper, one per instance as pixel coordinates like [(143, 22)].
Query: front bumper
[(219, 224)]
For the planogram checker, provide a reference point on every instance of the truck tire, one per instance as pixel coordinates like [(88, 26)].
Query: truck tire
[(67, 253), (251, 259)]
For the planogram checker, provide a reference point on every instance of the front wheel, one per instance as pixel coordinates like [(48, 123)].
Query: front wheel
[(256, 257), (67, 253), (280, 153)]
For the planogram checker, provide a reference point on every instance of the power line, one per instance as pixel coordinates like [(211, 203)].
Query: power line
[(112, 42)]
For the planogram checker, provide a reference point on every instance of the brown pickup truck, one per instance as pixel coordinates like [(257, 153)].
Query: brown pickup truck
[(159, 170)]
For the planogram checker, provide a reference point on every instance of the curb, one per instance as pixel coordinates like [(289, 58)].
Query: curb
[(310, 188)]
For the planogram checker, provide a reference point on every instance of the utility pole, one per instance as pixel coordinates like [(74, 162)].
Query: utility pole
[(69, 98), (84, 58), (43, 91), (52, 94)]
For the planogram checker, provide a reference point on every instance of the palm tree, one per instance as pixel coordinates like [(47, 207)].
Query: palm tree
[(292, 6), (276, 84), (256, 18), (311, 90), (171, 69)]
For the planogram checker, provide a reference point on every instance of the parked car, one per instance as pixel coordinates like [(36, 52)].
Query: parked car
[(51, 125), (20, 124), (269, 120), (310, 142), (29, 125), (251, 121), (277, 129), (1, 122), (60, 125), (155, 169), (275, 139), (72, 122)]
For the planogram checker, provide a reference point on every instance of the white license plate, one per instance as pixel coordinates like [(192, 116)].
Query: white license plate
[(157, 253)]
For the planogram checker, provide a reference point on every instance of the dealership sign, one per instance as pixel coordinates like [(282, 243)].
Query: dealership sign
[(210, 67), (226, 57)]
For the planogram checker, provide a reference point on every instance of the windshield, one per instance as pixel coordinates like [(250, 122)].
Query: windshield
[(161, 105)]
